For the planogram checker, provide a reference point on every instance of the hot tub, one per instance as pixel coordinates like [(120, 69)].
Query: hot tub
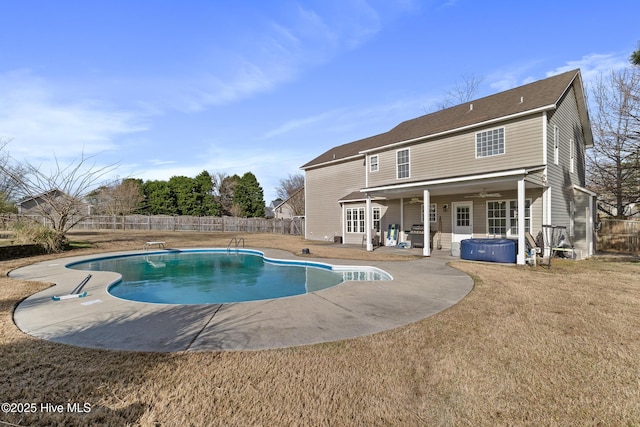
[(494, 250)]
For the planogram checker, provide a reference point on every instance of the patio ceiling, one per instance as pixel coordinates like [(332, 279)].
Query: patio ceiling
[(460, 186)]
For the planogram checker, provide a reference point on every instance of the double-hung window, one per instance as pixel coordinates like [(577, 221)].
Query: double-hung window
[(402, 161), (502, 217), (373, 163), (556, 145), (355, 220), (513, 216), (490, 143), (376, 220), (432, 213), (497, 217), (572, 156)]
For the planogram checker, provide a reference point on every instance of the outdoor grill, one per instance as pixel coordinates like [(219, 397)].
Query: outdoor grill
[(416, 235)]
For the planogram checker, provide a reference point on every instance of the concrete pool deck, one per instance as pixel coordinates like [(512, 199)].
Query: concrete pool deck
[(421, 288)]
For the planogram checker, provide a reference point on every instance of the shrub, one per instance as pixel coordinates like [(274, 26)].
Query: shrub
[(35, 233)]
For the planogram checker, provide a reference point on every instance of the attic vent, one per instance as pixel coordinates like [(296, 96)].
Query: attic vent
[(470, 107)]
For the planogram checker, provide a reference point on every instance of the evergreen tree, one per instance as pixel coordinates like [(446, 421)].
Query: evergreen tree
[(184, 195), (206, 198), (158, 199), (249, 196), (635, 56)]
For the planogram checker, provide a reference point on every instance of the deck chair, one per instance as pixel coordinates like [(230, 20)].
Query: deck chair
[(533, 250), (375, 239)]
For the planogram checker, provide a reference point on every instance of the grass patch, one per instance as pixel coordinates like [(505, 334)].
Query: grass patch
[(76, 244), (528, 346)]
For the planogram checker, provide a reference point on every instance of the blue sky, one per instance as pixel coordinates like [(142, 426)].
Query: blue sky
[(168, 88)]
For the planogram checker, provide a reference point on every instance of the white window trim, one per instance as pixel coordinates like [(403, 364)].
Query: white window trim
[(378, 220), (377, 163), (408, 164), (572, 156), (508, 217), (504, 141), (433, 206), (355, 218), (556, 144)]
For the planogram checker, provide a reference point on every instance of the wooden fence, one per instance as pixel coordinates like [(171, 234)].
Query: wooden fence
[(293, 226), (619, 235)]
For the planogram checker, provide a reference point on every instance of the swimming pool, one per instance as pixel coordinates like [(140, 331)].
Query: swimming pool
[(219, 276)]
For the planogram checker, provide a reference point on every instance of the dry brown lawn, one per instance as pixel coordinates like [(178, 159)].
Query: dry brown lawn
[(528, 346)]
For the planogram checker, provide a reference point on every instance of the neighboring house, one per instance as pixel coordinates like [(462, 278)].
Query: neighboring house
[(42, 203), (477, 167), (292, 207), (268, 210)]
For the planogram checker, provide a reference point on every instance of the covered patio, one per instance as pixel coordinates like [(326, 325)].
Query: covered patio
[(457, 196)]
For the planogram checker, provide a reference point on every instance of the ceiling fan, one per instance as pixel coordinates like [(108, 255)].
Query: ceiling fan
[(413, 201), (483, 195)]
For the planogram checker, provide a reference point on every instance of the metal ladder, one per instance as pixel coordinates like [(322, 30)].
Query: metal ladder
[(237, 243)]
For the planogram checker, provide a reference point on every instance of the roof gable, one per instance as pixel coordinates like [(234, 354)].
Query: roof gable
[(542, 94)]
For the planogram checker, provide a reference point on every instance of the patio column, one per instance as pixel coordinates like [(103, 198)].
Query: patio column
[(401, 220), (367, 223), (521, 224), (426, 251)]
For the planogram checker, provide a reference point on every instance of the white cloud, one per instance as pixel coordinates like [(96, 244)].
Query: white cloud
[(42, 123), (268, 56), (357, 119), (305, 122), (513, 76), (592, 65), (158, 162)]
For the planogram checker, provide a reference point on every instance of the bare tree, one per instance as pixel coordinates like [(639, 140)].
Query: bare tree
[(290, 190), (613, 161), (225, 189), (120, 198), (464, 90), (7, 185), (59, 196)]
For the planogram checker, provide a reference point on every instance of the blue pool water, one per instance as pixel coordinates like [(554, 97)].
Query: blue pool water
[(216, 276)]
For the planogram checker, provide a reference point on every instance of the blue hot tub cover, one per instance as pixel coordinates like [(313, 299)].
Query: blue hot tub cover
[(494, 250)]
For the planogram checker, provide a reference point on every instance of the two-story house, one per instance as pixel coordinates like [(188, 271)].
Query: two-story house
[(472, 170)]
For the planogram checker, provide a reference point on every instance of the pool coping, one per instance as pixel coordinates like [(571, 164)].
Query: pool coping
[(420, 288)]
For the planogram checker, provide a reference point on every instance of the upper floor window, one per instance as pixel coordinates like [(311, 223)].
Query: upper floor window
[(490, 143), (402, 157), (572, 156), (373, 163), (556, 144)]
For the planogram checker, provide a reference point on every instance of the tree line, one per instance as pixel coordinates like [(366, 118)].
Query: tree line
[(204, 195)]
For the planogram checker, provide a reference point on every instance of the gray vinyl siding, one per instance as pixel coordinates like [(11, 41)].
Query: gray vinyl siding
[(561, 179), (568, 122), (324, 186), (566, 202), (456, 154)]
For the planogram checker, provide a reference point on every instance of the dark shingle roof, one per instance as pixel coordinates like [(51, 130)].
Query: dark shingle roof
[(532, 96)]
